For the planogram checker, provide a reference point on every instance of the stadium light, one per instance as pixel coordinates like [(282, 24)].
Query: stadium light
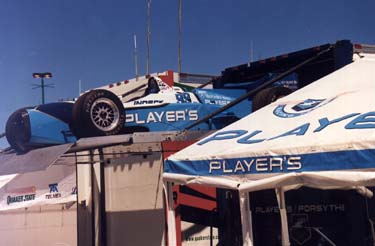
[(42, 76)]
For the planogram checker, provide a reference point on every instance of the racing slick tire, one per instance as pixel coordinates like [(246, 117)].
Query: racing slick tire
[(268, 95), (97, 113)]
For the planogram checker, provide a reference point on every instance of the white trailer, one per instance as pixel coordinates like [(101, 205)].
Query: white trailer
[(120, 190)]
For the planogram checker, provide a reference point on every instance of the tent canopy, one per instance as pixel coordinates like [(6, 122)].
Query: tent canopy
[(322, 135)]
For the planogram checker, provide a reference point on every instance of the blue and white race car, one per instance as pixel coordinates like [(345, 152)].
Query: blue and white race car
[(102, 112)]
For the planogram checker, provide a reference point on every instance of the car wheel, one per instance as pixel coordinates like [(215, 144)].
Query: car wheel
[(268, 95), (97, 113)]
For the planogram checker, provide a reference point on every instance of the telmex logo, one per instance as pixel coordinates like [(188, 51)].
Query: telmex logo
[(357, 121)]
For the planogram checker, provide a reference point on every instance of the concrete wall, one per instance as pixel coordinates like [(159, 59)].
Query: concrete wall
[(40, 225)]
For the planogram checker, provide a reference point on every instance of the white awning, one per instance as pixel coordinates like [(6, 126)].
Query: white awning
[(322, 135)]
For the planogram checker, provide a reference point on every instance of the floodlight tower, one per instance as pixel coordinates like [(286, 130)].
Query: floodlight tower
[(42, 85)]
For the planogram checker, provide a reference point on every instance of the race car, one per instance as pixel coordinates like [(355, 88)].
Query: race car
[(100, 112)]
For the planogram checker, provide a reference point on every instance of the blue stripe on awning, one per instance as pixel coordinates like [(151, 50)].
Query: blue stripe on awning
[(322, 161)]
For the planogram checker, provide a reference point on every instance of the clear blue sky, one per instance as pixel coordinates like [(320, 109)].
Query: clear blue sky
[(92, 40)]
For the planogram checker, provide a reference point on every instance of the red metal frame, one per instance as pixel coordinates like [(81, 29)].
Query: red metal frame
[(182, 199), (169, 148)]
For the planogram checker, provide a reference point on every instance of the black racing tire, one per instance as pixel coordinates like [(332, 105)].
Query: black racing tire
[(97, 113), (75, 125), (268, 95), (17, 130)]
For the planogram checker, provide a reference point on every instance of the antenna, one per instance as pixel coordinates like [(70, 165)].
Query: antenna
[(179, 34), (251, 53), (148, 36), (135, 57), (79, 87)]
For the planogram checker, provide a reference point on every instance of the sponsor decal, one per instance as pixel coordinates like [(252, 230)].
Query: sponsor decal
[(252, 165), (163, 116), (201, 235), (162, 86), (147, 102), (214, 98), (53, 191), (308, 223), (357, 121), (200, 238), (301, 108), (74, 191), (218, 102), (291, 84), (293, 109), (21, 195), (183, 97), (304, 208)]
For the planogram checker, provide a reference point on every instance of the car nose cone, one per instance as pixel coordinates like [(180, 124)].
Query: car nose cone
[(17, 130)]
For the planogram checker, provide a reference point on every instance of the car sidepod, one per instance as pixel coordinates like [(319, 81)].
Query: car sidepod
[(49, 124)]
